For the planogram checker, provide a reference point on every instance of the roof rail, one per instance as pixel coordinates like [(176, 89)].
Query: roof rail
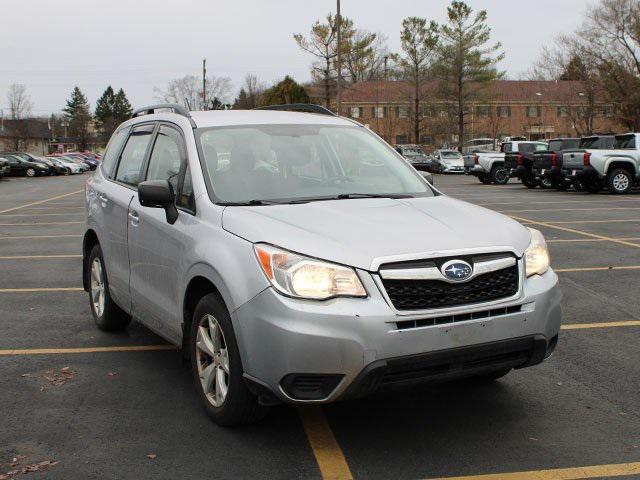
[(300, 107), (176, 108)]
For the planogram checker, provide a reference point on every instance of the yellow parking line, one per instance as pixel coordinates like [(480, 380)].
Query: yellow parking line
[(34, 257), (30, 237), (38, 290), (58, 351), (597, 269), (572, 240), (39, 214), (569, 209), (41, 201), (585, 326), (37, 224), (595, 471), (573, 230), (331, 461)]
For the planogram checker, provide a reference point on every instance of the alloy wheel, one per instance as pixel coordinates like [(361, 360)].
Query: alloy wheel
[(212, 359), (620, 182), (31, 172), (97, 287)]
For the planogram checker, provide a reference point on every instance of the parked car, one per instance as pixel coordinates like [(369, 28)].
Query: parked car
[(20, 167), (488, 167), (91, 162), (415, 155), (616, 167), (547, 164), (447, 161), (337, 273), (84, 166), (518, 160), (482, 144), (4, 167), (48, 168), (68, 167)]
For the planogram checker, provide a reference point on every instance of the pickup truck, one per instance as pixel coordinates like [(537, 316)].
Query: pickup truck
[(616, 167), (547, 164), (518, 160), (487, 166)]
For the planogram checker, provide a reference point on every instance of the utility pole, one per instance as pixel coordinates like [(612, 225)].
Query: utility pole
[(204, 83), (339, 91)]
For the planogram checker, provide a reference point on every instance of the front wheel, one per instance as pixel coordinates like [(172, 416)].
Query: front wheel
[(217, 366), (31, 172), (529, 182), (499, 175), (107, 315), (546, 183), (619, 181)]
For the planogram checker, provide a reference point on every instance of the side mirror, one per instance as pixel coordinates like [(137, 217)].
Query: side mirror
[(159, 194)]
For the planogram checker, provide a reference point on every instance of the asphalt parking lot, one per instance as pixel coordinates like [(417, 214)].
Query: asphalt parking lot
[(100, 405)]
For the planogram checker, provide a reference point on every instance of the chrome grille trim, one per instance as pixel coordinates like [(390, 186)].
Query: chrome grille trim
[(434, 273)]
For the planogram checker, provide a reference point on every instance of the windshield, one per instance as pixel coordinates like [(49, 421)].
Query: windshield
[(451, 155), (625, 141), (281, 163)]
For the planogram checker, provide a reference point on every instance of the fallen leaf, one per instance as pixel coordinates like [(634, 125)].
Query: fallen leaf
[(25, 375), (151, 456), (111, 374)]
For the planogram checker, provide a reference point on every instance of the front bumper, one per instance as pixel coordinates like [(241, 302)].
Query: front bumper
[(452, 168), (344, 340), (477, 170)]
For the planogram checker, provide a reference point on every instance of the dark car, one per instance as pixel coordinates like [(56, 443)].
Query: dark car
[(20, 167), (49, 170), (415, 156), (4, 167), (518, 160), (547, 164), (90, 161)]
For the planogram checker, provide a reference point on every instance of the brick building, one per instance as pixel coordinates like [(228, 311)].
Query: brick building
[(508, 108)]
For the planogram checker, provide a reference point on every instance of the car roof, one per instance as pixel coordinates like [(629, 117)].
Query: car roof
[(224, 118)]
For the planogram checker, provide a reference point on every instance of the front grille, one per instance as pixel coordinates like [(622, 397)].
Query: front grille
[(460, 317), (433, 294)]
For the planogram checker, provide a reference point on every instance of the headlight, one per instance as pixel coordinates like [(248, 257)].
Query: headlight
[(303, 277), (536, 256)]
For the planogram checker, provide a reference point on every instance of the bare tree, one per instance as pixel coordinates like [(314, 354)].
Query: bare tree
[(365, 56), (20, 107), (188, 90)]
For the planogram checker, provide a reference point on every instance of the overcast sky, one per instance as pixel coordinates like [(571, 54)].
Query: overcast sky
[(50, 46)]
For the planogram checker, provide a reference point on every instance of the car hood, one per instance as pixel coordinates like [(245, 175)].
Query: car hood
[(361, 232), (453, 161)]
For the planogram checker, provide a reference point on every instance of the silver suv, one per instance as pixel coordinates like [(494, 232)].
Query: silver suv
[(297, 258)]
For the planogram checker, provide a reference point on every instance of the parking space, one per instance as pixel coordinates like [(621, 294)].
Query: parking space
[(122, 405)]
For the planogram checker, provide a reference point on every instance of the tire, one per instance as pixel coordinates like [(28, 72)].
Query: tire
[(578, 186), (31, 172), (561, 187), (107, 315), (619, 181), (499, 175), (592, 187), (226, 398), (529, 182), (66, 172), (546, 183)]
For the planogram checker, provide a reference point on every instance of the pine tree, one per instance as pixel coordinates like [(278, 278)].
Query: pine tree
[(121, 107), (286, 91), (104, 116), (78, 114)]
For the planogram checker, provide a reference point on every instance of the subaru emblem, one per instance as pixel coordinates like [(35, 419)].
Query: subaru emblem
[(456, 270)]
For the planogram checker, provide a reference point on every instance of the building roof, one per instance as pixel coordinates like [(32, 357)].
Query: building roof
[(526, 91), (35, 128)]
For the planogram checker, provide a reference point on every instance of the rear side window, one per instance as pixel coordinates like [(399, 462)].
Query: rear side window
[(625, 141), (166, 158), (573, 143), (112, 151), (555, 145), (507, 147), (133, 155)]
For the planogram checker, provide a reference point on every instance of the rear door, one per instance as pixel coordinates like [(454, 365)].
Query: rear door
[(156, 247), (114, 190)]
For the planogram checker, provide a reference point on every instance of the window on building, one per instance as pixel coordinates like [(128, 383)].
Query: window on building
[(429, 111), (533, 111), (503, 111), (426, 139), (582, 111), (483, 111), (402, 112), (562, 111), (379, 112), (607, 110), (355, 112), (402, 139)]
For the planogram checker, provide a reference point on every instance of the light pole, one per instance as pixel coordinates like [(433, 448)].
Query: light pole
[(339, 89)]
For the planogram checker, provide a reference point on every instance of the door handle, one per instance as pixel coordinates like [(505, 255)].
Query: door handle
[(103, 198), (134, 217)]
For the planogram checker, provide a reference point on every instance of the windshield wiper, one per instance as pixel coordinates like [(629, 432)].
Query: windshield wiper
[(344, 196), (258, 203)]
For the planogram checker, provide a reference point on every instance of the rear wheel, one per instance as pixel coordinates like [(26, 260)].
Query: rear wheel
[(619, 181), (107, 315), (529, 182), (217, 366), (592, 186), (546, 183), (499, 175), (31, 172)]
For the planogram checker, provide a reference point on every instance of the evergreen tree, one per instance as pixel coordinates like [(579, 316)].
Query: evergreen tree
[(78, 114), (242, 101), (467, 62), (285, 91), (121, 107), (104, 115)]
